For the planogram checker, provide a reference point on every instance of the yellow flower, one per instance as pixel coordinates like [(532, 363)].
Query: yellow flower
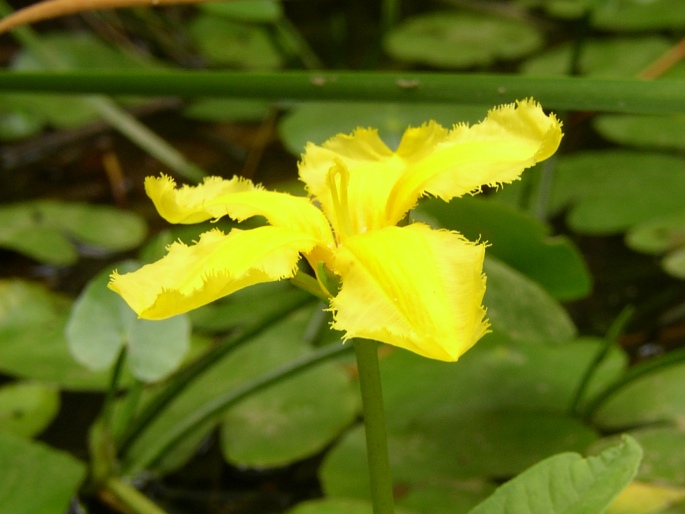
[(410, 286)]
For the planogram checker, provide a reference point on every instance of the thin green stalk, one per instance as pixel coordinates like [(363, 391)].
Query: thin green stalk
[(309, 284), (390, 13), (210, 410), (374, 425), (570, 93), (187, 375), (128, 410), (108, 110), (130, 497), (108, 407)]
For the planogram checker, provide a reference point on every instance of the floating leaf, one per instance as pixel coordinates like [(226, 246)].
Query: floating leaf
[(452, 39), (101, 324), (642, 130), (609, 191), (32, 342), (612, 58), (520, 308), (36, 478), (17, 123), (317, 122), (255, 11), (26, 409), (55, 232), (518, 239), (567, 483), (227, 43), (674, 263), (659, 235), (635, 15)]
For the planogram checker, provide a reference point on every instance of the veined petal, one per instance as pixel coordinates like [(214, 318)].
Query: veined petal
[(412, 287), (237, 198), (217, 265), (371, 167), (512, 138)]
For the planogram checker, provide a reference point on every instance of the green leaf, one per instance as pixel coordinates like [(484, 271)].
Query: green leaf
[(610, 58), (635, 15), (290, 421), (657, 396), (17, 123), (567, 484), (26, 409), (674, 263), (611, 190), (520, 308), (255, 11), (454, 39), (101, 323), (36, 478), (338, 506), (519, 240), (227, 43), (659, 235), (32, 342), (643, 131), (226, 109), (317, 122), (51, 231)]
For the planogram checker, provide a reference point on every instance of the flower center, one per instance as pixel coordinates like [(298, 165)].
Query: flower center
[(338, 180)]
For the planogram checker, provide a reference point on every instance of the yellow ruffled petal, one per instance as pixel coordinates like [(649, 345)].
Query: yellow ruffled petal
[(217, 265), (237, 198), (412, 287), (512, 138), (364, 170)]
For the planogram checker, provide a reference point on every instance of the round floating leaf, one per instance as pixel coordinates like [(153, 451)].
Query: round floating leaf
[(612, 58), (518, 239), (453, 39), (255, 11), (291, 420), (609, 191), (520, 308), (32, 342), (226, 109), (26, 409), (227, 43), (37, 478), (17, 124), (674, 263), (567, 483), (49, 231), (658, 236), (645, 131), (101, 324), (317, 122), (636, 15), (655, 397)]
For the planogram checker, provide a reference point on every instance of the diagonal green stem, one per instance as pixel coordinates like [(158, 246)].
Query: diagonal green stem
[(374, 424), (132, 498)]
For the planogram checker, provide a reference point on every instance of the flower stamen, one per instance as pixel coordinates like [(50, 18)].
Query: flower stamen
[(341, 208)]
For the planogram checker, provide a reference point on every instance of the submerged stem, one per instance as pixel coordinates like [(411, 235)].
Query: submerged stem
[(374, 424)]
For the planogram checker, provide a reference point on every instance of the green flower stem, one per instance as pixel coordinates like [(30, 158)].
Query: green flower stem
[(572, 93), (135, 501), (108, 110), (108, 407), (309, 284), (374, 425), (212, 409)]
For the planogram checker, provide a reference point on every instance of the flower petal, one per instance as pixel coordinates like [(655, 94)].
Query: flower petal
[(218, 265), (512, 138), (371, 170), (412, 287), (237, 198)]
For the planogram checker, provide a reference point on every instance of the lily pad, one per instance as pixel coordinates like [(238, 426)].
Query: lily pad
[(228, 43), (518, 239), (659, 235), (453, 39), (37, 478), (101, 323), (612, 58), (674, 263), (26, 409), (17, 124), (55, 232), (637, 15), (317, 122), (546, 488), (609, 191), (32, 342), (254, 11), (522, 309), (643, 131)]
